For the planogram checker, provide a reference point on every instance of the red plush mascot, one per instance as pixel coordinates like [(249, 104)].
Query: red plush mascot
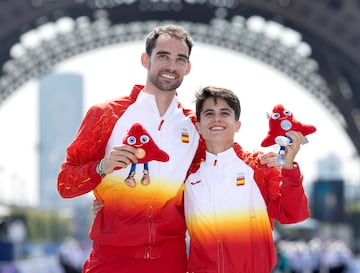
[(146, 150), (281, 121)]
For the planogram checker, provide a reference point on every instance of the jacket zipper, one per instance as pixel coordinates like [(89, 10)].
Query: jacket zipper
[(148, 254)]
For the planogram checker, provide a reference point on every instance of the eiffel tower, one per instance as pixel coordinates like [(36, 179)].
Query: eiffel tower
[(325, 57)]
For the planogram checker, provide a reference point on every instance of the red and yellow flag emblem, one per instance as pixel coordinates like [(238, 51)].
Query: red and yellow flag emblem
[(185, 137), (240, 180)]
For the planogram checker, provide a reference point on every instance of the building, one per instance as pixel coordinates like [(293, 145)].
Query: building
[(60, 114), (328, 202)]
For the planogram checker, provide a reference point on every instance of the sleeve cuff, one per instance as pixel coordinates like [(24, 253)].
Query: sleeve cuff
[(294, 174)]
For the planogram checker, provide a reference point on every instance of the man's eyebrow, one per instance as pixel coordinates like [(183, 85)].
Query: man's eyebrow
[(184, 56), (228, 109), (207, 111), (164, 52)]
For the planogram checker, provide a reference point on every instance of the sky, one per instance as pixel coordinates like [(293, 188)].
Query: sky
[(112, 71)]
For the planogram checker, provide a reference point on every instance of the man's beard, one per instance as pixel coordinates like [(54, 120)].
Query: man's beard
[(163, 85)]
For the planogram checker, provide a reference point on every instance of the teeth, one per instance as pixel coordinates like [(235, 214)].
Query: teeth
[(217, 128), (168, 76)]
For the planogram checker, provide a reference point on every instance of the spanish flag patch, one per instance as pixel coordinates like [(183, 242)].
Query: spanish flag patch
[(185, 136), (240, 180)]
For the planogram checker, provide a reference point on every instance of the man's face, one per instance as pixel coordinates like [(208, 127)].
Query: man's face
[(168, 63), (217, 124)]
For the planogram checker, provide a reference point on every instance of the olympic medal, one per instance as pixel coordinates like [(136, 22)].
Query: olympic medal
[(140, 153)]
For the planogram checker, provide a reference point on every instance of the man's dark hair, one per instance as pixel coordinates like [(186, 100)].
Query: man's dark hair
[(174, 31), (217, 92)]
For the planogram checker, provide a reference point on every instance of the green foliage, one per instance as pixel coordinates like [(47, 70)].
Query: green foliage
[(353, 207), (44, 225)]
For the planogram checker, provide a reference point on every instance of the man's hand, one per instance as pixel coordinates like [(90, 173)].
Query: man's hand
[(96, 206), (270, 159), (292, 149), (120, 157)]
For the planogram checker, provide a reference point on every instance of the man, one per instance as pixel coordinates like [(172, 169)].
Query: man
[(141, 227), (232, 197)]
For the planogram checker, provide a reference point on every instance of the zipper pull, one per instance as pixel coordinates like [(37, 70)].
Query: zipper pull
[(215, 162), (160, 125), (147, 255)]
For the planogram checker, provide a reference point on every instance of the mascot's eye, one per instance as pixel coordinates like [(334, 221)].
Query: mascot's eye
[(275, 115), (287, 113), (144, 139), (131, 140)]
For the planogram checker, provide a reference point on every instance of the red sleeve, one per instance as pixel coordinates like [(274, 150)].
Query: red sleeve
[(283, 191), (78, 173), (292, 205)]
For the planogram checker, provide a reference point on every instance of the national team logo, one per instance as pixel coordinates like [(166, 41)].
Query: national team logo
[(195, 182), (240, 179)]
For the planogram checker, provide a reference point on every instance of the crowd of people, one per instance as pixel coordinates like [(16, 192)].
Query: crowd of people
[(316, 256), (72, 255)]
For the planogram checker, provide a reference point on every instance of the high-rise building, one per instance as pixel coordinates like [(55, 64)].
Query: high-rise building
[(60, 114), (328, 196)]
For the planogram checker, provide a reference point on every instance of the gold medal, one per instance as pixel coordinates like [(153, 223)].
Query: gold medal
[(140, 153)]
